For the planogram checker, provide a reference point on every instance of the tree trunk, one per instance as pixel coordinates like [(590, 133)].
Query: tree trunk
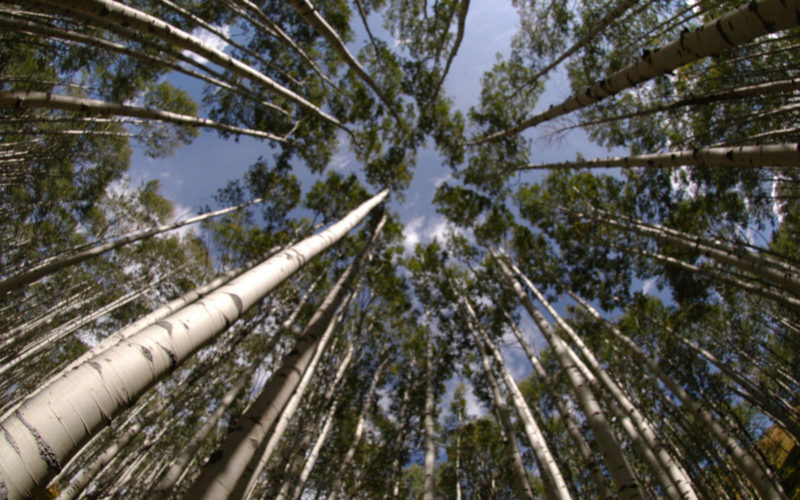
[(623, 476), (773, 155), (112, 11), (551, 475), (521, 483), (571, 424), (338, 480), (644, 428), (95, 391), (736, 27), (759, 476), (218, 479), (58, 262), (429, 488)]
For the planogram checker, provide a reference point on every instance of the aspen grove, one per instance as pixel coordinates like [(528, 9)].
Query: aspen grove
[(621, 326)]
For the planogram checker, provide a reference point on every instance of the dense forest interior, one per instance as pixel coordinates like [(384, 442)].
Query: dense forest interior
[(592, 327)]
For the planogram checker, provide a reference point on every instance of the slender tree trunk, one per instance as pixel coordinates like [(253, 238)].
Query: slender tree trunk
[(115, 12), (551, 474), (313, 455), (734, 28), (522, 484), (760, 476), (400, 443), (573, 428), (429, 488), (219, 479), (338, 480), (169, 478), (773, 155), (36, 445), (58, 262), (463, 8), (767, 268), (623, 476), (311, 15), (245, 490), (758, 90), (643, 427)]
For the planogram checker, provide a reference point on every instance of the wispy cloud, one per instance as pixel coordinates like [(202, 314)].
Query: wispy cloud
[(649, 286), (210, 40)]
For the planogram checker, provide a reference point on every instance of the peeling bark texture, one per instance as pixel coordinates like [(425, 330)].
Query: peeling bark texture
[(774, 155), (112, 11), (58, 262), (740, 26), (70, 410), (219, 478)]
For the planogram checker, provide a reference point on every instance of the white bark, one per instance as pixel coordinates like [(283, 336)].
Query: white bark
[(429, 488), (220, 478), (554, 481), (643, 427), (47, 429), (112, 11), (760, 477), (773, 155), (53, 264), (734, 28), (621, 472)]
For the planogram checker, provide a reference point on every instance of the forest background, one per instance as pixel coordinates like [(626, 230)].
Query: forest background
[(669, 284)]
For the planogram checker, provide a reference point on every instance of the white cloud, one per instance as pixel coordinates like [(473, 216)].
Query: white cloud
[(210, 40), (649, 286), (411, 234), (182, 212)]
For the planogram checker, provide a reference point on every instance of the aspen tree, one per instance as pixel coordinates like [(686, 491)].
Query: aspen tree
[(429, 489), (220, 478), (760, 477), (736, 27), (554, 483), (643, 427), (35, 446), (624, 479)]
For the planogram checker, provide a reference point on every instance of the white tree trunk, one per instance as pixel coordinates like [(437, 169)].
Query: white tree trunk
[(112, 11), (621, 472), (773, 155), (220, 478), (736, 27), (48, 428), (58, 262), (429, 488), (644, 428), (759, 476)]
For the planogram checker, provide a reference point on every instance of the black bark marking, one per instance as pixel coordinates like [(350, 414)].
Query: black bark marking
[(729, 155), (11, 440), (46, 452), (215, 457), (769, 26), (3, 489), (166, 325), (173, 358), (254, 443), (147, 353), (718, 26), (238, 301)]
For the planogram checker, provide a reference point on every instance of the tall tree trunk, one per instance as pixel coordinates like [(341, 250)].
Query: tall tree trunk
[(772, 155), (338, 478), (463, 8), (573, 428), (112, 11), (623, 476), (219, 479), (644, 428), (736, 27), (311, 15), (551, 475), (58, 262), (35, 445), (245, 489), (522, 485), (760, 476), (429, 488)]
